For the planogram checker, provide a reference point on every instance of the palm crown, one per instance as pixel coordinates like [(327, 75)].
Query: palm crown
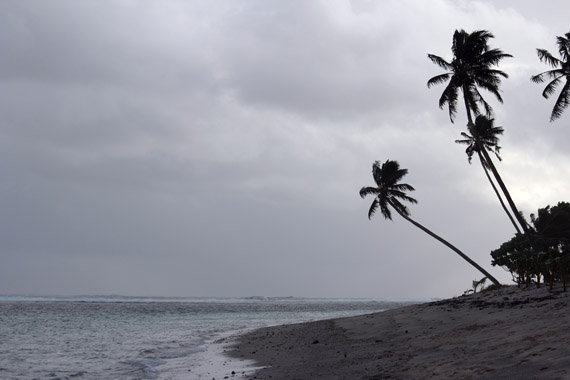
[(470, 68), (390, 192), (561, 70), (387, 176), (488, 134)]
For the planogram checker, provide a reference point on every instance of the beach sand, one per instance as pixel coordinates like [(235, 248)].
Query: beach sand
[(509, 333)]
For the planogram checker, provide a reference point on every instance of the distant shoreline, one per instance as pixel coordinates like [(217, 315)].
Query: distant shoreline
[(506, 333)]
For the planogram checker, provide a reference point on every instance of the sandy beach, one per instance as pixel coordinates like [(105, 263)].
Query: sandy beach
[(509, 333)]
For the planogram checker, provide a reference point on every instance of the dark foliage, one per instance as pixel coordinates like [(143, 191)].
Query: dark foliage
[(470, 69), (488, 134), (548, 258), (559, 74), (387, 176)]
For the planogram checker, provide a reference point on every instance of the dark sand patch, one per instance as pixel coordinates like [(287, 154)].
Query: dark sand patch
[(509, 333)]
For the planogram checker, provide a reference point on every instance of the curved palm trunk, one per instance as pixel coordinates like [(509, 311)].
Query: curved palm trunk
[(483, 151), (497, 193), (447, 244)]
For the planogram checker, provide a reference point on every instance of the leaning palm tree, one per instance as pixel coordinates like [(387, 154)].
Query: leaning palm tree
[(489, 135), (560, 72), (471, 69), (389, 193)]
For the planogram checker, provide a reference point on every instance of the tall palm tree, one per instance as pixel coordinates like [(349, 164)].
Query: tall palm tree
[(389, 193), (471, 68), (560, 72), (489, 135)]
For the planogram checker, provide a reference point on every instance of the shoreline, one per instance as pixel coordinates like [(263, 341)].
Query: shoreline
[(212, 362), (505, 333)]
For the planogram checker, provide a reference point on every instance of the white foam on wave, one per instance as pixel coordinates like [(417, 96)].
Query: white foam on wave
[(210, 363), (148, 367)]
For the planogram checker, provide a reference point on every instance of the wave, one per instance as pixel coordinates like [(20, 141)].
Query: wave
[(249, 299)]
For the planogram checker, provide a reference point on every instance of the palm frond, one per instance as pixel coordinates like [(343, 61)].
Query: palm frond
[(492, 75), (468, 138), (365, 191), (538, 78), (545, 56), (390, 166), (377, 173), (449, 98), (470, 68), (551, 87), (480, 100), (491, 85), (492, 57), (458, 42), (488, 135), (496, 131), (464, 142), (497, 151), (564, 46), (373, 208), (384, 209), (440, 62), (550, 74), (392, 177), (481, 37), (390, 172), (562, 102), (401, 195), (471, 145), (387, 175), (403, 187), (400, 207), (438, 79), (556, 76), (476, 43)]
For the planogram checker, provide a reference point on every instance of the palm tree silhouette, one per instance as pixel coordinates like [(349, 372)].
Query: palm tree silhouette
[(389, 193), (489, 135), (561, 71), (471, 68)]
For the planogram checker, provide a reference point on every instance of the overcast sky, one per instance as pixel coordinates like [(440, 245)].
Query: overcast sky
[(216, 148)]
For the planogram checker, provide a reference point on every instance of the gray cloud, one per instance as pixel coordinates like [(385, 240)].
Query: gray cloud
[(218, 148)]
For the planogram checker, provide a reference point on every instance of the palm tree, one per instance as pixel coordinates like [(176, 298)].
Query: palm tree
[(489, 135), (471, 68), (561, 70), (389, 193)]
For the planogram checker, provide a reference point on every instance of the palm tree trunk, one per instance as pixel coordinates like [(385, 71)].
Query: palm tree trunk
[(482, 149), (497, 193), (447, 244)]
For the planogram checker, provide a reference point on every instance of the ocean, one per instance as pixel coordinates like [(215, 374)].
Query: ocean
[(138, 338)]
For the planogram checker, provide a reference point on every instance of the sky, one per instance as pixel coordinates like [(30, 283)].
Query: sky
[(217, 148)]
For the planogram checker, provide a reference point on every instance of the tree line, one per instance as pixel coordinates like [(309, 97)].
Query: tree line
[(540, 249)]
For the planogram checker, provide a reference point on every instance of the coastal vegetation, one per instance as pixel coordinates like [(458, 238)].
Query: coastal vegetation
[(540, 250), (549, 256)]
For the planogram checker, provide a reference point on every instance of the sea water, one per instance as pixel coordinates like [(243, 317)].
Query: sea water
[(126, 338)]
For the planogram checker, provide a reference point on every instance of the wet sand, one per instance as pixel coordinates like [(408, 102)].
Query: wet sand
[(508, 333)]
